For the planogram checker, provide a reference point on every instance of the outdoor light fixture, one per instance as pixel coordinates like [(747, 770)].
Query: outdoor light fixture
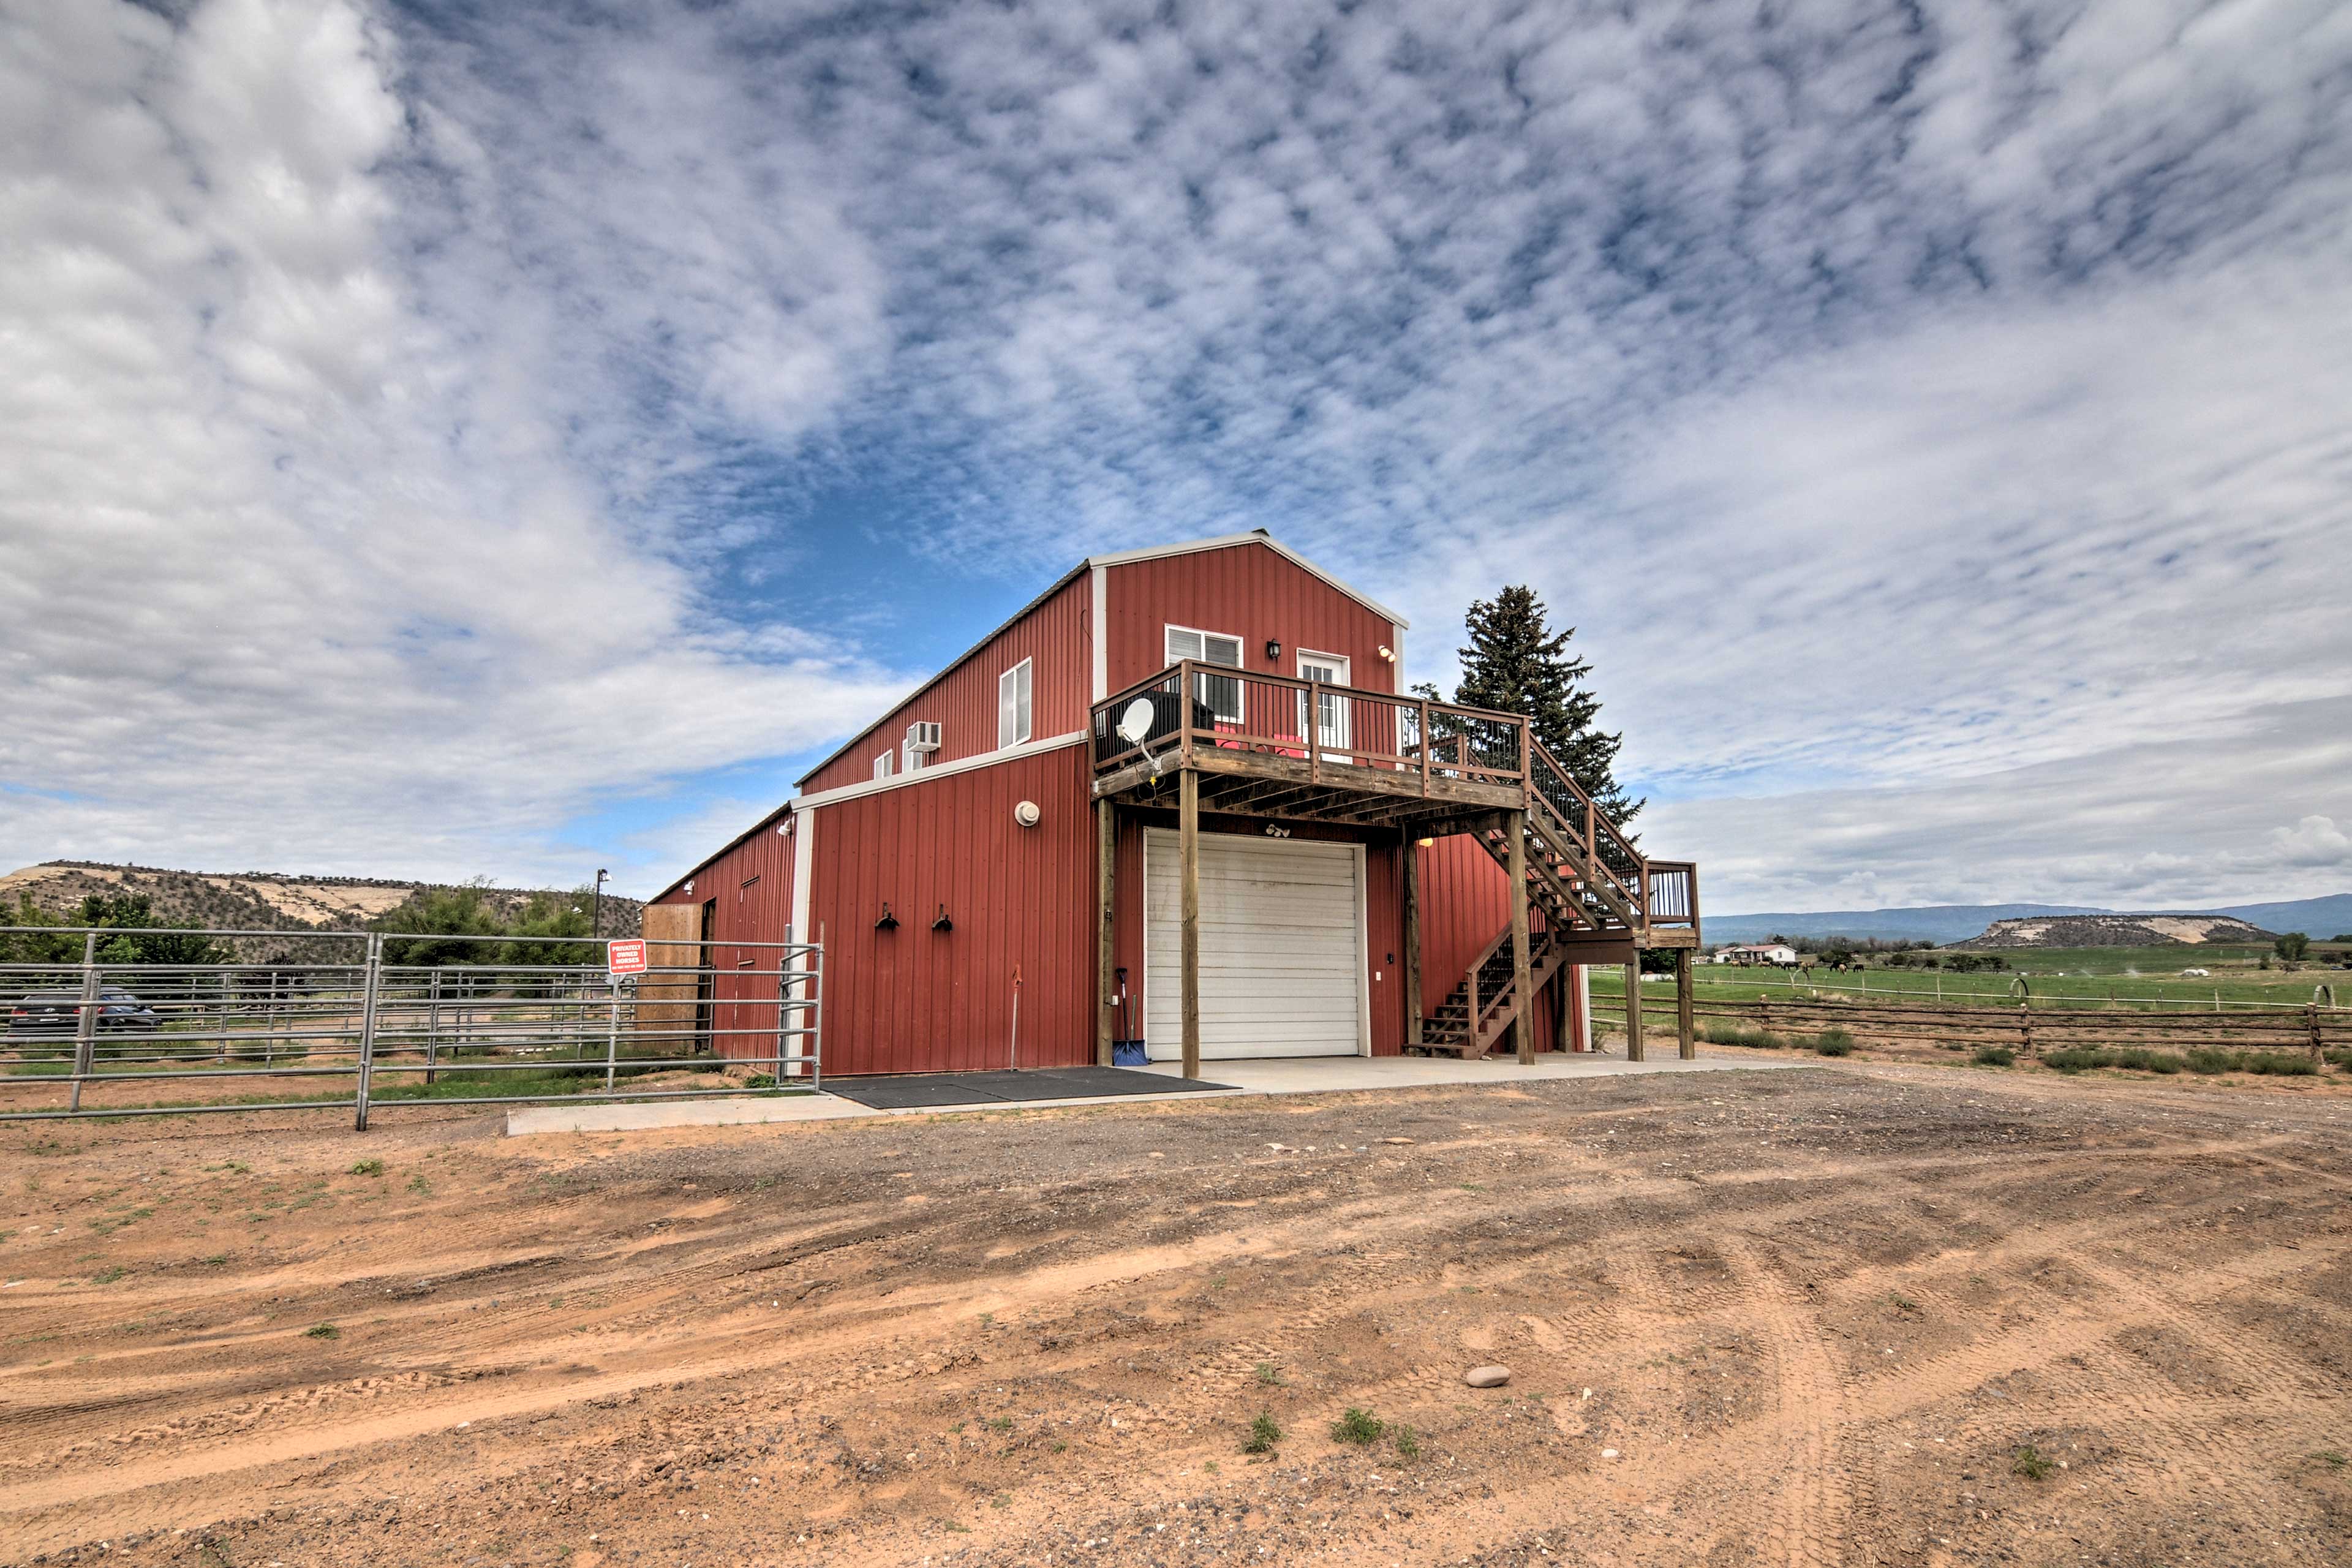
[(1272, 831), (1426, 843), (1273, 649), (1386, 654), (888, 920), (943, 923), (688, 886), (1027, 815)]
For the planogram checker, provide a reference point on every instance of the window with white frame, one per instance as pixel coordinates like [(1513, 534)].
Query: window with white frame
[(882, 764), (910, 760), (1222, 693), (1012, 695)]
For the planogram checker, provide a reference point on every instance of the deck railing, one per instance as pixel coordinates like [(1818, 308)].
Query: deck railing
[(1202, 707), (1674, 893)]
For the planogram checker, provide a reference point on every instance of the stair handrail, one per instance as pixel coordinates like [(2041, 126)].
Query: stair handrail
[(1632, 887)]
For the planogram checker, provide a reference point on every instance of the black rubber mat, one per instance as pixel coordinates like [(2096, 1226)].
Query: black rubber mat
[(902, 1091)]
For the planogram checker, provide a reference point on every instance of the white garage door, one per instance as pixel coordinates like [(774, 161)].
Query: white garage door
[(1282, 947)]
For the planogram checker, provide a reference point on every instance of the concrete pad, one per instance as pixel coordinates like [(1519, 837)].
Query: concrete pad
[(631, 1116), (1333, 1075), (1284, 1075)]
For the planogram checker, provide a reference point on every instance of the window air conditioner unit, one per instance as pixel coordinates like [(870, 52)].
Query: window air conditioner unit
[(923, 736)]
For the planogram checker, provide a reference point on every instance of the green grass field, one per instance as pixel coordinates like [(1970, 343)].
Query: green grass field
[(2055, 975)]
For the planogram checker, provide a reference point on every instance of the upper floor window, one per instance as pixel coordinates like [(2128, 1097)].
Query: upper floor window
[(882, 764), (1012, 698), (1222, 693)]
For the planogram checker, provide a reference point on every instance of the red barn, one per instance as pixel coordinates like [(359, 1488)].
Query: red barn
[(1180, 798)]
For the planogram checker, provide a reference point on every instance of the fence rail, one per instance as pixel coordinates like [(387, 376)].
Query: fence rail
[(2032, 1024), (84, 1036)]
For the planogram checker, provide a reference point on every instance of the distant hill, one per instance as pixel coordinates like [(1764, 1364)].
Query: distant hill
[(1938, 923), (2317, 918), (254, 900), (1944, 925), (2116, 931)]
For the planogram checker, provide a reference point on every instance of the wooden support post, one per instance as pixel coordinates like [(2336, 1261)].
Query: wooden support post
[(1633, 1011), (1564, 1017), (1107, 913), (1523, 985), (1409, 872), (1189, 876), (1686, 1004)]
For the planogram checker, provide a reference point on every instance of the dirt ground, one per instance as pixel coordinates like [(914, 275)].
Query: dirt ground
[(1805, 1316)]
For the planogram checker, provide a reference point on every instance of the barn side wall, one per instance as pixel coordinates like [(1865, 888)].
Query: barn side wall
[(914, 999), (962, 700), (750, 889)]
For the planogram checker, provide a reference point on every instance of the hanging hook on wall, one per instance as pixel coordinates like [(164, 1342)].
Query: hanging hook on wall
[(888, 920), (943, 923)]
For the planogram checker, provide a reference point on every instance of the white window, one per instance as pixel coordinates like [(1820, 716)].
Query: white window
[(1012, 705), (1222, 693), (911, 758), (882, 765)]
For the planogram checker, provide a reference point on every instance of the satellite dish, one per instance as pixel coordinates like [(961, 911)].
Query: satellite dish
[(1135, 722)]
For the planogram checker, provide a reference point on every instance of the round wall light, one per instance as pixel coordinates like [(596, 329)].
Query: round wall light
[(1027, 815)]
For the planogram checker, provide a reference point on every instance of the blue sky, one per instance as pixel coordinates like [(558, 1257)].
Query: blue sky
[(516, 439)]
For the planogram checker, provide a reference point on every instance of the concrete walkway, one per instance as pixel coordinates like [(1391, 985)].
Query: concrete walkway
[(1293, 1075)]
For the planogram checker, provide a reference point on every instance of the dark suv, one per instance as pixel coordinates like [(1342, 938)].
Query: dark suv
[(55, 1013)]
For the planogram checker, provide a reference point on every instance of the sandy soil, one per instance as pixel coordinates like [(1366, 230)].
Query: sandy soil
[(1791, 1317)]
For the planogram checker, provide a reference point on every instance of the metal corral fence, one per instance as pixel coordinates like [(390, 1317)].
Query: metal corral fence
[(364, 1019), (2029, 1024)]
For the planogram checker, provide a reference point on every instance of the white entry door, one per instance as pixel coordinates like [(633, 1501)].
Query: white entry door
[(1282, 948), (1332, 718)]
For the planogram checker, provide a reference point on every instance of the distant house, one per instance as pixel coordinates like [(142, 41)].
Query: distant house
[(1779, 954)]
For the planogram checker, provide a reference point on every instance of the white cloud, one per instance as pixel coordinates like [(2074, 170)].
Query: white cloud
[(1901, 400)]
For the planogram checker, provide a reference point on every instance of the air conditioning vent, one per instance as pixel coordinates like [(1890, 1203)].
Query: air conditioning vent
[(923, 736)]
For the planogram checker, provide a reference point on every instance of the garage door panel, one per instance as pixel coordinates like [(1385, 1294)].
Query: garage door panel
[(1282, 958)]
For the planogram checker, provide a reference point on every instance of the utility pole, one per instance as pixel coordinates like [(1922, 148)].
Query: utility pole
[(596, 922)]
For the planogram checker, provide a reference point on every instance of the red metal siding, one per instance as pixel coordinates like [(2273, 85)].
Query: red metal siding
[(1245, 591), (1383, 914), (752, 885), (917, 1000), (963, 701), (1465, 899)]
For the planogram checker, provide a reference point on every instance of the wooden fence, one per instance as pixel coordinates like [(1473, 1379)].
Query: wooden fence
[(2024, 1027)]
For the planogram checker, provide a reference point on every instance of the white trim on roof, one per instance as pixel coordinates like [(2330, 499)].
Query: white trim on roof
[(939, 771), (1226, 541)]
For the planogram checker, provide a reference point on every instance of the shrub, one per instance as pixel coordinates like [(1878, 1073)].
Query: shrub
[(368, 1168), (1833, 1043), (2079, 1058), (2144, 1060), (1408, 1443), (2206, 1059), (1994, 1056), (1264, 1435), (1725, 1033), (1360, 1427), (2028, 1462), (2278, 1064), (322, 1331), (760, 1081)]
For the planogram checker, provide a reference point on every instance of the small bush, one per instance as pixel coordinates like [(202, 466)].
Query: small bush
[(1264, 1435), (1360, 1427), (760, 1081), (368, 1168), (1723, 1033), (322, 1331), (2277, 1064), (1267, 1375), (2079, 1058), (1994, 1056), (2207, 1061), (1833, 1043), (2141, 1059), (1408, 1443), (2028, 1462)]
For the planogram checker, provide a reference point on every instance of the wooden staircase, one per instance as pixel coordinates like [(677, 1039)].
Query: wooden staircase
[(1583, 877)]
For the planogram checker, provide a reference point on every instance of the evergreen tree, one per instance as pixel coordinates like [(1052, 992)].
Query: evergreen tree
[(1516, 664)]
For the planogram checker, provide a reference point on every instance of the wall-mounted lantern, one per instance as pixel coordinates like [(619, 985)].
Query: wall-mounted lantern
[(1273, 649)]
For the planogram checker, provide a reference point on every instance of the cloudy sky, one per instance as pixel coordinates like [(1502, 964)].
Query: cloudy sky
[(441, 440)]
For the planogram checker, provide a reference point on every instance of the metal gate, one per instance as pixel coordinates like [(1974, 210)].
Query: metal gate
[(366, 1020)]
